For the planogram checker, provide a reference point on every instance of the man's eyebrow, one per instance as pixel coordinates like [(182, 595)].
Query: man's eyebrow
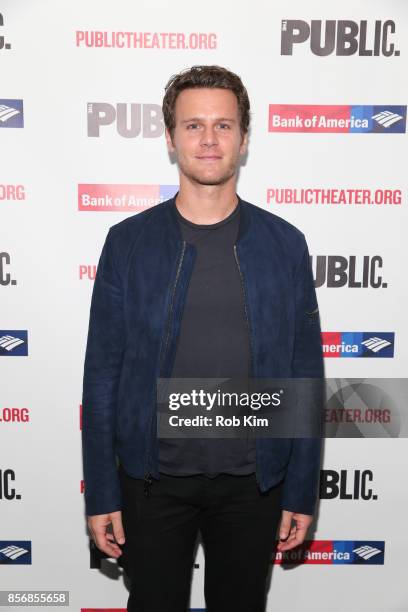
[(201, 118)]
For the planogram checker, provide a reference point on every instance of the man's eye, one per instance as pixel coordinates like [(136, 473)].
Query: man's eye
[(192, 125), (224, 125)]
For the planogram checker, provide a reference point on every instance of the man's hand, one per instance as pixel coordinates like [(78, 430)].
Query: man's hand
[(97, 525), (295, 535)]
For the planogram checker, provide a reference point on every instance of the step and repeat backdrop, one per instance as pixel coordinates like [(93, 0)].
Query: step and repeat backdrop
[(82, 147)]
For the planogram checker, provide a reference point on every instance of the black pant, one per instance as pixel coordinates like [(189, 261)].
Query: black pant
[(238, 526)]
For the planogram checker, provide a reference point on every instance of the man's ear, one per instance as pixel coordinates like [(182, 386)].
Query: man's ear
[(169, 141), (244, 144)]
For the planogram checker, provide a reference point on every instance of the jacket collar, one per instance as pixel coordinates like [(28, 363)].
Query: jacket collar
[(244, 217)]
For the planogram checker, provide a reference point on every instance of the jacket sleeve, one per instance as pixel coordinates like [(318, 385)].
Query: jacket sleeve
[(102, 368), (300, 488)]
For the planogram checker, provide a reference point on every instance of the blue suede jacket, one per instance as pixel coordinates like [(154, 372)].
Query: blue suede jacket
[(135, 317)]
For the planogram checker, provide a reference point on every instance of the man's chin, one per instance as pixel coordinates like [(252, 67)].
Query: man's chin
[(210, 180), (213, 181)]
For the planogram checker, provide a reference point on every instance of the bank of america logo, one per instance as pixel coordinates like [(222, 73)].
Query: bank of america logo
[(7, 112), (335, 552), (334, 118), (10, 342), (367, 552), (358, 344), (15, 552), (13, 343), (387, 118), (11, 114), (376, 344)]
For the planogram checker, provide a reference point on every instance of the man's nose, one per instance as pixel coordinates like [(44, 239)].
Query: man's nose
[(208, 137)]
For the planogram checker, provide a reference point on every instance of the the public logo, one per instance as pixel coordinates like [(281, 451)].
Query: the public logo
[(7, 482), (347, 484), (131, 120), (341, 37), (353, 271), (3, 43), (5, 276)]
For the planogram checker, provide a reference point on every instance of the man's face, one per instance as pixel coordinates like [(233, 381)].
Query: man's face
[(207, 138)]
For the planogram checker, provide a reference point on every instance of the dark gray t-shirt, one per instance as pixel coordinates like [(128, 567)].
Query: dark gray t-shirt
[(213, 343)]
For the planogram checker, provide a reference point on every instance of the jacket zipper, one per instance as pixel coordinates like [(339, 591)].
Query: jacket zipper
[(171, 305), (248, 326), (148, 480), (245, 308)]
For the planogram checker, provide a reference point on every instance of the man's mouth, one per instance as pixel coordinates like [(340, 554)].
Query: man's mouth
[(208, 157)]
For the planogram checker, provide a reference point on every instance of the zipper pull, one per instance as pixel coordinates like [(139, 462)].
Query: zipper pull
[(148, 481)]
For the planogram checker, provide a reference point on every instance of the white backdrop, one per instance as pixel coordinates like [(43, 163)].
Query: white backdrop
[(51, 240)]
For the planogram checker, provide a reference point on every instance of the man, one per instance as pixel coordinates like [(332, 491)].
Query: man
[(201, 285)]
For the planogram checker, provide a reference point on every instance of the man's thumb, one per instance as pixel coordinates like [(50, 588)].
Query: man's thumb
[(285, 524), (118, 530)]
